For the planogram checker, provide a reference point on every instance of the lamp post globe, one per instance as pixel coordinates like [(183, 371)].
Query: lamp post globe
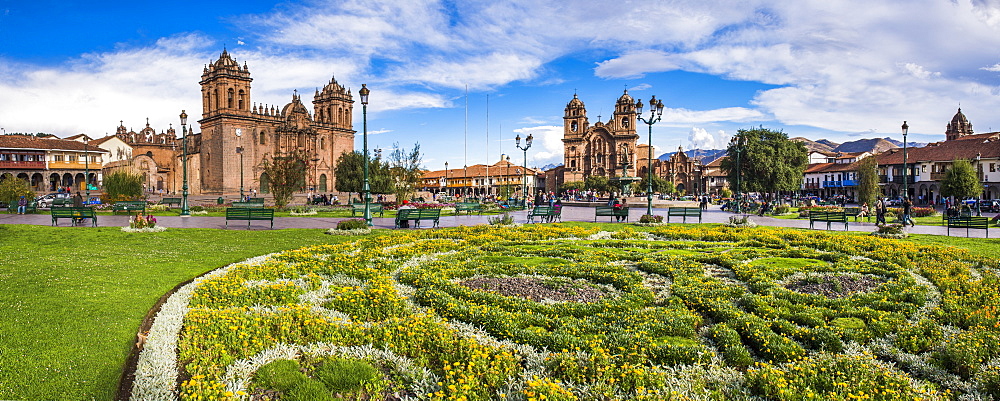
[(906, 185), (655, 113), (185, 211)]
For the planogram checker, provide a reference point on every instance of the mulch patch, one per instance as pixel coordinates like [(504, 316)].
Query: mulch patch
[(537, 289), (835, 285)]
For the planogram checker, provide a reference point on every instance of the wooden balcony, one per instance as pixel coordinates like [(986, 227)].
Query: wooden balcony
[(19, 165)]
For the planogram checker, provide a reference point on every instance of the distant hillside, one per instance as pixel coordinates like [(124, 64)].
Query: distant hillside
[(822, 145), (706, 155), (550, 166), (899, 144), (865, 145), (829, 143)]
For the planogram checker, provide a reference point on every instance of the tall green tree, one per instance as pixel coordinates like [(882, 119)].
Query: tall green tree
[(868, 189), (961, 181), (659, 185), (597, 183), (769, 162), (572, 185), (406, 170), (123, 184), (350, 174), (287, 174), (11, 189)]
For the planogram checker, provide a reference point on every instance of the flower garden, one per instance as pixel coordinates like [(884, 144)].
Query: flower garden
[(560, 312)]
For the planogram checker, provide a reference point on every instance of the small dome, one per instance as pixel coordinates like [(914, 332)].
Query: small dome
[(575, 103), (626, 98), (959, 118)]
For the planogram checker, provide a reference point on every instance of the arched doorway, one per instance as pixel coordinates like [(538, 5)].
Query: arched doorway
[(265, 184), (322, 182), (53, 181)]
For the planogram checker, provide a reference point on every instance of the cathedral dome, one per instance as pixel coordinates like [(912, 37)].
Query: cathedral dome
[(575, 103), (959, 118), (626, 98)]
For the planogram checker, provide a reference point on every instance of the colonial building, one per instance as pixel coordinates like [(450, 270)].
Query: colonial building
[(50, 163), (237, 135), (501, 178)]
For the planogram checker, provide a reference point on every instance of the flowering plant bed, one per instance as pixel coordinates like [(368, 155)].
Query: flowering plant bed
[(565, 312)]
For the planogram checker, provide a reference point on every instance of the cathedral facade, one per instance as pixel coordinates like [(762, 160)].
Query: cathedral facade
[(237, 135)]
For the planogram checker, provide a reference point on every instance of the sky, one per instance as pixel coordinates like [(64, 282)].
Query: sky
[(463, 78)]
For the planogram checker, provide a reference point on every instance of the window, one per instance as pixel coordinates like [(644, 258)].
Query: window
[(322, 143), (263, 139), (71, 158), (57, 158), (4, 157), (229, 98), (993, 167)]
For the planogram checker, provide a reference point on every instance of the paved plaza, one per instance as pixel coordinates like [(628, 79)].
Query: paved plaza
[(569, 213)]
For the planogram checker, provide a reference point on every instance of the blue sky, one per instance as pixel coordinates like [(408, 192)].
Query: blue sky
[(840, 70)]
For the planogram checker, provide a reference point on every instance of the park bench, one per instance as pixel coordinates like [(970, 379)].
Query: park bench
[(250, 205), (170, 201), (31, 207), (969, 223), (75, 214), (403, 216), (372, 208), (855, 211), (468, 207), (249, 214), (611, 212), (828, 217), (62, 202), (546, 213), (684, 213), (128, 207)]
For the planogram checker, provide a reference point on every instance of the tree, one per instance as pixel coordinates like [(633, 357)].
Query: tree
[(597, 183), (868, 189), (11, 189), (287, 174), (350, 175), (405, 170), (123, 184), (769, 162), (961, 181), (572, 186), (659, 185)]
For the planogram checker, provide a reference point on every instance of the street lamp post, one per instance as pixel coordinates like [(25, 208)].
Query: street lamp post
[(906, 173), (655, 112), (979, 201), (446, 183), (185, 211), (506, 178), (740, 143), (86, 174), (239, 150), (524, 174), (364, 119)]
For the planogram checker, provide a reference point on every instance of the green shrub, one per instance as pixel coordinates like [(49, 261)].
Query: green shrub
[(502, 220), (782, 209), (729, 343), (12, 189), (352, 224), (919, 337), (281, 375), (650, 218), (309, 390), (197, 208), (346, 375)]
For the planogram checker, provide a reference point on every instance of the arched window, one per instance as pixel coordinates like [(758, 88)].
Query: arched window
[(340, 115), (625, 122), (322, 183), (322, 143), (229, 98), (242, 94), (215, 94), (263, 138)]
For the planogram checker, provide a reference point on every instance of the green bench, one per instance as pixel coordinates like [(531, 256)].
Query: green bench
[(546, 213), (969, 223), (75, 214), (828, 217), (250, 205), (610, 211), (468, 207), (684, 213), (31, 207), (372, 208), (403, 216), (128, 207), (170, 201), (249, 214)]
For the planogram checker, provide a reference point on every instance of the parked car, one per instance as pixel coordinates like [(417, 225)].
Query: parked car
[(94, 200), (989, 205), (45, 201)]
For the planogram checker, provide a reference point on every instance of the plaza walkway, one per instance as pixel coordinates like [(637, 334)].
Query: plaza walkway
[(570, 213)]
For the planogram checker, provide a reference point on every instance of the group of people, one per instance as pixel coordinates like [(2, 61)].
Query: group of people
[(323, 199), (881, 208), (618, 204)]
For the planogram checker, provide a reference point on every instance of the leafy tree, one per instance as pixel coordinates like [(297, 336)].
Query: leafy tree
[(405, 170), (572, 186), (961, 181), (123, 184), (769, 162), (659, 185), (725, 193), (287, 174), (11, 189), (868, 189), (597, 183), (350, 175)]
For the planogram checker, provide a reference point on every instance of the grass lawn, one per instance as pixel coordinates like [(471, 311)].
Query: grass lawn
[(73, 298)]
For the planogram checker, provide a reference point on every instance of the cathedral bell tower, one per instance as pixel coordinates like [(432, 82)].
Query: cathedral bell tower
[(574, 128), (226, 116)]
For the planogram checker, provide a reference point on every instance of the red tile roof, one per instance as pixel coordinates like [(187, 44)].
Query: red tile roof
[(968, 147), (30, 142)]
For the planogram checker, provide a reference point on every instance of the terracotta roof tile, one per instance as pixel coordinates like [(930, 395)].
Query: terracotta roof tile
[(30, 142), (985, 145)]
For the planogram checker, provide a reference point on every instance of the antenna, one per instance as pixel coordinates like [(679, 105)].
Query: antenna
[(486, 184)]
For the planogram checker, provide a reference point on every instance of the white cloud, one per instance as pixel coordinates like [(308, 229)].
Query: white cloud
[(640, 87), (636, 64), (699, 138), (547, 141), (993, 68), (683, 117)]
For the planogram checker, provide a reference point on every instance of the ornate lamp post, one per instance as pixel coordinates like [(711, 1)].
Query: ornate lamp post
[(740, 143), (506, 179), (86, 166), (524, 174), (979, 202), (446, 183), (364, 118), (655, 112), (185, 212), (239, 149), (906, 185)]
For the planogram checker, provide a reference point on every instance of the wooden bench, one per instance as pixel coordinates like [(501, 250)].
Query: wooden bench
[(969, 223), (250, 205), (31, 207), (75, 214), (828, 217), (249, 214), (128, 207), (170, 201), (372, 208), (468, 207), (546, 213), (405, 215), (684, 212), (610, 211)]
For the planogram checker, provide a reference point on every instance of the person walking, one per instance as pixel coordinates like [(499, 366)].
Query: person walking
[(880, 212), (907, 209)]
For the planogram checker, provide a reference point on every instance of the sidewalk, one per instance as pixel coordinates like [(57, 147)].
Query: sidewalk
[(570, 213)]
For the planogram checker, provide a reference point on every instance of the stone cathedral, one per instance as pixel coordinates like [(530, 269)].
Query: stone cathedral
[(232, 122), (598, 149)]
